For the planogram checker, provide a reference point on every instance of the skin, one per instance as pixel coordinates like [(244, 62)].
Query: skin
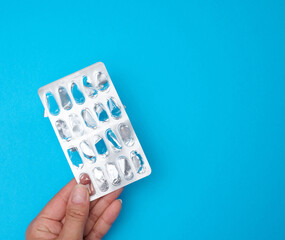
[(69, 215)]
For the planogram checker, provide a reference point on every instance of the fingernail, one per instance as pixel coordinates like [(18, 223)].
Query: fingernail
[(121, 201), (79, 194)]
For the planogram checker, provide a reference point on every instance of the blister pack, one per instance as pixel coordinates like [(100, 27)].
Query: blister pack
[(94, 130)]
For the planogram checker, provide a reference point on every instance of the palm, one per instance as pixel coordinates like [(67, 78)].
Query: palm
[(49, 223)]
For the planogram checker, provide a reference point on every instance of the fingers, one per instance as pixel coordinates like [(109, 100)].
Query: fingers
[(98, 208), (77, 211), (105, 221), (55, 209)]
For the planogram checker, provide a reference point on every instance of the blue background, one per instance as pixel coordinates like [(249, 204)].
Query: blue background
[(203, 82)]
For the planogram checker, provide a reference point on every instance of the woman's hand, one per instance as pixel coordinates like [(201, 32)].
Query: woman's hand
[(70, 216)]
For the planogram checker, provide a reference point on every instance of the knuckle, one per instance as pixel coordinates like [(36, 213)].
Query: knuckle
[(32, 231), (76, 214), (97, 235)]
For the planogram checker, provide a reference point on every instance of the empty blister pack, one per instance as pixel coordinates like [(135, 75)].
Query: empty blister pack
[(94, 130)]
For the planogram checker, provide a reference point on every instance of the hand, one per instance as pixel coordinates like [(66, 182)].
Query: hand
[(70, 216)]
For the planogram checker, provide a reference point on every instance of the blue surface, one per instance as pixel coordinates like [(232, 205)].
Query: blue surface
[(204, 84)]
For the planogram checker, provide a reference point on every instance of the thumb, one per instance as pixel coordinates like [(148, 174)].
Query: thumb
[(77, 212)]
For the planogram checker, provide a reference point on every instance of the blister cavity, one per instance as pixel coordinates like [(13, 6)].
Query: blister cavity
[(77, 94), (89, 88), (113, 174), (87, 151), (138, 162), (88, 119), (126, 134), (63, 130), (125, 167), (86, 181), (100, 146), (101, 112), (52, 104), (101, 81), (114, 108), (75, 157), (64, 98), (112, 138), (76, 125), (100, 179)]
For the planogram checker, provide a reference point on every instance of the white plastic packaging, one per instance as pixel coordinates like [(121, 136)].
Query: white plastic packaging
[(94, 130)]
